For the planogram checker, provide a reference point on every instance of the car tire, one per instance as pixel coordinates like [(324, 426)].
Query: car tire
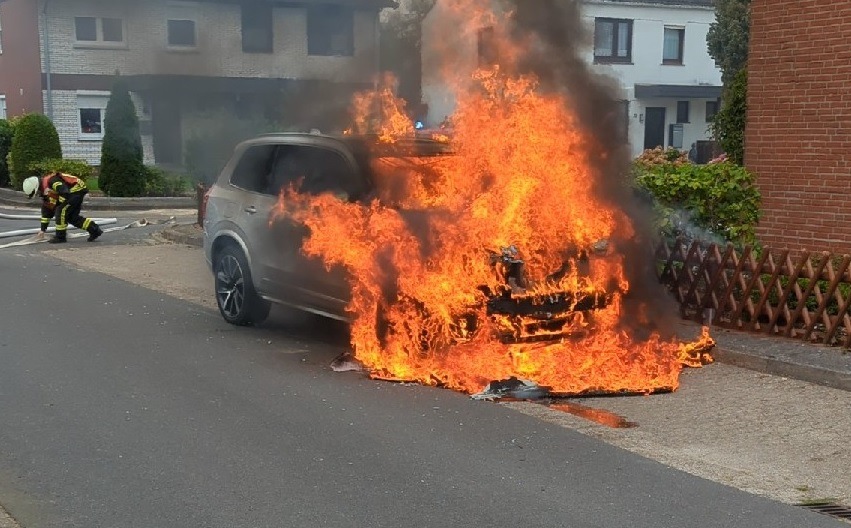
[(236, 297)]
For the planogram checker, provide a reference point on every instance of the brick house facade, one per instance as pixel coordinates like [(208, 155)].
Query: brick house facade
[(798, 136), (181, 59)]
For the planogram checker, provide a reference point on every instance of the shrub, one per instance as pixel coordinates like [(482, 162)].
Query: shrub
[(79, 168), (719, 199), (159, 182), (122, 172), (35, 139), (6, 133)]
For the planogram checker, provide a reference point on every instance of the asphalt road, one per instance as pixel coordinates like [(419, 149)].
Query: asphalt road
[(124, 407)]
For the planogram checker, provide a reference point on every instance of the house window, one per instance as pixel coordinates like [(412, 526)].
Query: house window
[(181, 33), (487, 47), (91, 110), (330, 31), (1, 37), (91, 30), (672, 49), (682, 111), (2, 107), (257, 28), (612, 40), (711, 110), (181, 26)]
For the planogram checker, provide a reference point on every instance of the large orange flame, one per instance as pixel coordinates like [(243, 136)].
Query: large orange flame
[(418, 256)]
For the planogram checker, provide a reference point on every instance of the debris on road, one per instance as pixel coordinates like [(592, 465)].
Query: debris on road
[(512, 387)]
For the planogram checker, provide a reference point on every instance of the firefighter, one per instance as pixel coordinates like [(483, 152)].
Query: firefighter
[(62, 197)]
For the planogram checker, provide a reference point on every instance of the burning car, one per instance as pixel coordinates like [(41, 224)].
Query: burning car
[(256, 256)]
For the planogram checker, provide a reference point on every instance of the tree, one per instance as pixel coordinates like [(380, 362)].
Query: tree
[(728, 37), (728, 125), (122, 171), (35, 139)]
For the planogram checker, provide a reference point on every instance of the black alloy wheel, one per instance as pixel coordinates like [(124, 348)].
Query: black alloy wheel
[(238, 302)]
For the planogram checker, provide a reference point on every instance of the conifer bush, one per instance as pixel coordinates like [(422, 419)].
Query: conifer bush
[(122, 172)]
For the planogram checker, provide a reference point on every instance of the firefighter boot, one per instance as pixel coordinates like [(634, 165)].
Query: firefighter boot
[(59, 238), (94, 232)]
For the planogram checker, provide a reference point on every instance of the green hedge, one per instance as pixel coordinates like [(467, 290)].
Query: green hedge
[(717, 200), (159, 182)]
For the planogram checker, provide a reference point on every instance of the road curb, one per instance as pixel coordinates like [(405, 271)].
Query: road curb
[(107, 203), (785, 368)]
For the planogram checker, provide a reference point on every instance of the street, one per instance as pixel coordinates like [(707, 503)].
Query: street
[(125, 400)]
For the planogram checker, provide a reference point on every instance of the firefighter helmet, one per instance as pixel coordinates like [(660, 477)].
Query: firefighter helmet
[(31, 186)]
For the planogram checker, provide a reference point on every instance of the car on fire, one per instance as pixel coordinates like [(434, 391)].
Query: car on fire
[(257, 260)]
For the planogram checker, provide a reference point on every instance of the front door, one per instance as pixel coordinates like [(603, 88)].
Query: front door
[(654, 127)]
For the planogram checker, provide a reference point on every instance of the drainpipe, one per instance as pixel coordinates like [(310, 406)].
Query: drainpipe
[(47, 61)]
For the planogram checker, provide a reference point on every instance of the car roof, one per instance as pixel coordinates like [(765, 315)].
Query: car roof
[(404, 146)]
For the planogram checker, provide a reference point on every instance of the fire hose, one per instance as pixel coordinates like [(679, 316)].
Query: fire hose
[(102, 221)]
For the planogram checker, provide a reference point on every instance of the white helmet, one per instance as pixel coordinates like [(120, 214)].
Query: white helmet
[(31, 186)]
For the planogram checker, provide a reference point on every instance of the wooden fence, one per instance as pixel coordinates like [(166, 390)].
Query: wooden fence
[(805, 296)]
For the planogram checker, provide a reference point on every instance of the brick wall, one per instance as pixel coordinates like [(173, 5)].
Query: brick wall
[(798, 138)]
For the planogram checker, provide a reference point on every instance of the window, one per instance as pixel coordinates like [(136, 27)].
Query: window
[(90, 112), (711, 110), (257, 28), (612, 40), (2, 107), (1, 37), (488, 55), (330, 31), (91, 30), (87, 30), (181, 33), (254, 169), (682, 111), (181, 26), (672, 49)]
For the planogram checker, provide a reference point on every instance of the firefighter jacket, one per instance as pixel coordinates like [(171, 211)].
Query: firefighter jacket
[(55, 190)]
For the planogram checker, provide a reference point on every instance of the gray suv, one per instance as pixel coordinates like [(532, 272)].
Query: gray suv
[(256, 262)]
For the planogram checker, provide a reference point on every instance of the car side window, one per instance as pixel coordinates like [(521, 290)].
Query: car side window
[(253, 170), (313, 170)]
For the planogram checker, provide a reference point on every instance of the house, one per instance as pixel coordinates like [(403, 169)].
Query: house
[(798, 133), (295, 63), (656, 50)]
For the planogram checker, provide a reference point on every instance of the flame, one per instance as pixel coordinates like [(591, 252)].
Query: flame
[(428, 258)]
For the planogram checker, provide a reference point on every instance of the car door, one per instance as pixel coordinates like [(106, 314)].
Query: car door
[(314, 169), (254, 199)]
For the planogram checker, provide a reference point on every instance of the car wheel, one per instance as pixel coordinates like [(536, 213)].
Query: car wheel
[(236, 297)]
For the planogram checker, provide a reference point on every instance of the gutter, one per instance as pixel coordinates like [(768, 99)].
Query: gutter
[(47, 62)]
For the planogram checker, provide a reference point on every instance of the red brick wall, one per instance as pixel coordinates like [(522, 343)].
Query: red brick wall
[(798, 137), (20, 62)]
